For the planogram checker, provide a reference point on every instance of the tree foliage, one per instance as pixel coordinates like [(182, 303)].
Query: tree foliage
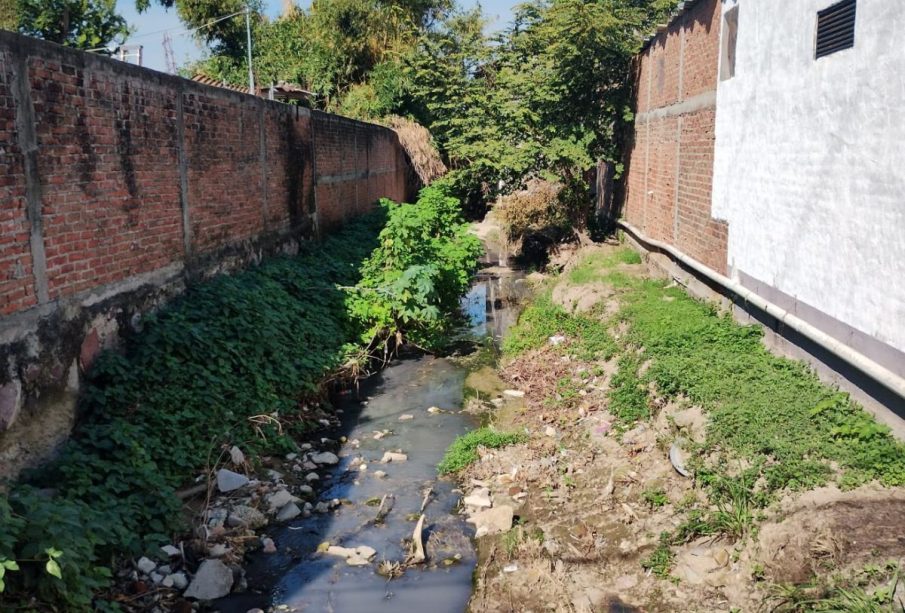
[(85, 24)]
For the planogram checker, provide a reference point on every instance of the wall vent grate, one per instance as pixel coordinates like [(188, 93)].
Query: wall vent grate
[(836, 28)]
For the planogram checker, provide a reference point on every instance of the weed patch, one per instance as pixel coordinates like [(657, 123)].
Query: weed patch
[(588, 337), (464, 450)]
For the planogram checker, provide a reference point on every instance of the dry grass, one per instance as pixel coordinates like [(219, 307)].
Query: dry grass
[(419, 145), (533, 208)]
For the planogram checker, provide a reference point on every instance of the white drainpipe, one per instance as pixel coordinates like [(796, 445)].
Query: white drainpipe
[(858, 360)]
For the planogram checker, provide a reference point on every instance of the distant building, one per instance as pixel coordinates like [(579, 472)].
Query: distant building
[(769, 145)]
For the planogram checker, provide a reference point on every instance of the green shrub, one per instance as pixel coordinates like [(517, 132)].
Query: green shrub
[(464, 450), (422, 266)]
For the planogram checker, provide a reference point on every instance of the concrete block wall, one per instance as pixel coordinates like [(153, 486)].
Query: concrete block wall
[(121, 185), (669, 168)]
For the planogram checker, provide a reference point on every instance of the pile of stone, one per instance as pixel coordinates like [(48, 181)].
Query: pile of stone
[(488, 518)]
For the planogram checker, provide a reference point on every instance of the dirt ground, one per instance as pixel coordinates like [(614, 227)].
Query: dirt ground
[(585, 517)]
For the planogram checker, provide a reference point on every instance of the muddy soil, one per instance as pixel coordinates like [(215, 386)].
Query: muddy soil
[(585, 520)]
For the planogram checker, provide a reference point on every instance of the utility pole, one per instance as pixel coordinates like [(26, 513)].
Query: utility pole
[(251, 74)]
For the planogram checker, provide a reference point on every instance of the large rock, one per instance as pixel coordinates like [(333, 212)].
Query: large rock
[(279, 499), (228, 481), (246, 517), (492, 521), (290, 511), (479, 498), (325, 457), (213, 580), (392, 456)]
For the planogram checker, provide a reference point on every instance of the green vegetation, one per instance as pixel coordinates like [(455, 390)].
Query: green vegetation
[(628, 391), (870, 590), (464, 450), (661, 560), (655, 497), (227, 363), (84, 24), (423, 264), (596, 266), (588, 338), (773, 426)]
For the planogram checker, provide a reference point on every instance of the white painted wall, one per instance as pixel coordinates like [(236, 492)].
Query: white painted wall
[(809, 166)]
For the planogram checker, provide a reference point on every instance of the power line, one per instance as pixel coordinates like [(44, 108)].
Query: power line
[(182, 32)]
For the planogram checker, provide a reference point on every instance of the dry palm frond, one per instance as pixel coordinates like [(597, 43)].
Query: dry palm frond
[(419, 145)]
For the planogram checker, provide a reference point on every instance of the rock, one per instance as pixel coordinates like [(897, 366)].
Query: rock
[(550, 431), (406, 417), (625, 583), (510, 568), (557, 340), (217, 550), (514, 393), (291, 456), (279, 499), (312, 477), (213, 580), (434, 410), (358, 556), (479, 498), (290, 511), (343, 552), (721, 557), (179, 580), (676, 457), (391, 456), (379, 474), (217, 517), (171, 551), (146, 565), (269, 545), (365, 551), (307, 490), (246, 516), (321, 507), (228, 481), (156, 577), (493, 521), (274, 475), (255, 611), (167, 581), (236, 455), (325, 457)]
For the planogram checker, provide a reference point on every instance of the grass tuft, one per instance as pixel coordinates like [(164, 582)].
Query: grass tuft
[(464, 450)]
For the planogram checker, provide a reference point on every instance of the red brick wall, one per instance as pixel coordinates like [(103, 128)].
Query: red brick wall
[(17, 288), (124, 157), (669, 168)]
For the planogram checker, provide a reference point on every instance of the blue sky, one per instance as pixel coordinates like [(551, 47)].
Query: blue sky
[(149, 28)]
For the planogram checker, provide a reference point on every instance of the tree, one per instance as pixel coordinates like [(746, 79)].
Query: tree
[(9, 15), (85, 24)]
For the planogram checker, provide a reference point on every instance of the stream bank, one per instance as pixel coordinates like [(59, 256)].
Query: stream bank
[(673, 464), (392, 432)]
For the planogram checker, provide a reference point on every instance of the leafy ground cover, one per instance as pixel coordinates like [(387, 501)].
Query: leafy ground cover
[(229, 362)]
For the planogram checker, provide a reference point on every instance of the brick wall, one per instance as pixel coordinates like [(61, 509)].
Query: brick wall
[(669, 167), (120, 185)]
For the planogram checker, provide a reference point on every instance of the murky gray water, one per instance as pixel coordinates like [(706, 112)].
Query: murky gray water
[(303, 579)]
